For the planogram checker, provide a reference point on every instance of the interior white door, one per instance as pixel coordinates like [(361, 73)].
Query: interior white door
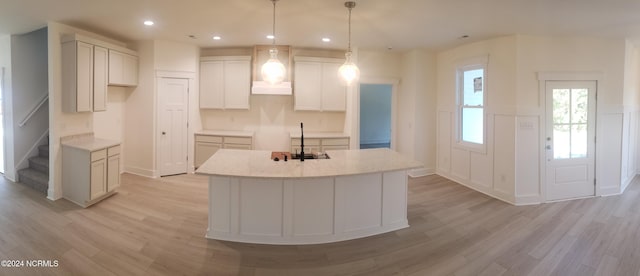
[(570, 139), (173, 95)]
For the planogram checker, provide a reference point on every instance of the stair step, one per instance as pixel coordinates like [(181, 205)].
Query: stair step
[(35, 179), (43, 150), (40, 164)]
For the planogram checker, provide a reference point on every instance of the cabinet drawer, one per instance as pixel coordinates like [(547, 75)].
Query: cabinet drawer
[(335, 141), (115, 150), (336, 147), (238, 140), (208, 138), (237, 146), (99, 154), (307, 142)]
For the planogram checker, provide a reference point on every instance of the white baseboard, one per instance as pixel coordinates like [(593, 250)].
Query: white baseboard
[(528, 200), (140, 172), (53, 194), (421, 172), (609, 191)]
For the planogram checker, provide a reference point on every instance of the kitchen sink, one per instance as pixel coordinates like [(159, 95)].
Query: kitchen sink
[(310, 156)]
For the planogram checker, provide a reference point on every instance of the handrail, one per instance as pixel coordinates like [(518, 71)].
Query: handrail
[(34, 109)]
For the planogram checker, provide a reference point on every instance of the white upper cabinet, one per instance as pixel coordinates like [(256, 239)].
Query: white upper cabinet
[(77, 76), (316, 85), (88, 67), (225, 82), (100, 68), (123, 69)]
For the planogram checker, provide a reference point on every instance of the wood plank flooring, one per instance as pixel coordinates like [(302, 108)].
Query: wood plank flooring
[(157, 227)]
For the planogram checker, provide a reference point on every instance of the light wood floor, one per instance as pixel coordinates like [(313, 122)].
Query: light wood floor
[(157, 227)]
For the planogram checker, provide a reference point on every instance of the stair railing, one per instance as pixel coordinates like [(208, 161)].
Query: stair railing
[(34, 109)]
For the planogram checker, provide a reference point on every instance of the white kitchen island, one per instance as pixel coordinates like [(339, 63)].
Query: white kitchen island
[(354, 194)]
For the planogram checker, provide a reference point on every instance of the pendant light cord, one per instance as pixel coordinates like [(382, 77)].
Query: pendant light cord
[(349, 48), (274, 22)]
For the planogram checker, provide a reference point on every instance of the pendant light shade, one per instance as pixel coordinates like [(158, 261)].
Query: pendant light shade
[(273, 71), (349, 72)]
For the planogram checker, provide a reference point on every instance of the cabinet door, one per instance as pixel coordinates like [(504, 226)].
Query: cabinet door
[(113, 172), (100, 75), (204, 151), (308, 86), (237, 84), (334, 94), (98, 178), (84, 77), (116, 63), (212, 84), (130, 70), (123, 69)]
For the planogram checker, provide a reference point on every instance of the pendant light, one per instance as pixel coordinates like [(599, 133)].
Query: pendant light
[(349, 72), (273, 71)]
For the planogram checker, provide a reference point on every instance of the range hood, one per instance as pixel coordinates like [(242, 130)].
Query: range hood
[(260, 56), (265, 88)]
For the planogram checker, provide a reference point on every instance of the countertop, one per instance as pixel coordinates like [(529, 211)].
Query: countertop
[(90, 143), (253, 163), (236, 133), (319, 135)]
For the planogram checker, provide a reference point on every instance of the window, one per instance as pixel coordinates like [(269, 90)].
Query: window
[(471, 101)]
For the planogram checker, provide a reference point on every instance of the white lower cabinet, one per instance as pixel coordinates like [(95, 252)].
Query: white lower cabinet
[(206, 145), (320, 144), (89, 176), (113, 168), (98, 174)]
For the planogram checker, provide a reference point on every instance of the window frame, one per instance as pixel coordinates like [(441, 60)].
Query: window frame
[(461, 68)]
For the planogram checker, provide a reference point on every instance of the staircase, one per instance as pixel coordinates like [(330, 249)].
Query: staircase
[(36, 175)]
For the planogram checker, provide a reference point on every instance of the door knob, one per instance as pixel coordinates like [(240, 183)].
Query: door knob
[(163, 133), (548, 147)]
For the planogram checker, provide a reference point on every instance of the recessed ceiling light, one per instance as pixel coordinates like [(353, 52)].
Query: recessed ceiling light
[(148, 23), (270, 37), (216, 37), (326, 39)]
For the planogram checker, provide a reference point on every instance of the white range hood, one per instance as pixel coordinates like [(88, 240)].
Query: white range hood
[(265, 88)]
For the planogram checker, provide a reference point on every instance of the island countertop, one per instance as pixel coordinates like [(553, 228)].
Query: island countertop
[(254, 163)]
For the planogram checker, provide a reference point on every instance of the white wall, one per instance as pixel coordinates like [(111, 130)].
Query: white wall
[(631, 100), (417, 114), (272, 118), (156, 58), (511, 167), (26, 84), (140, 115), (5, 63), (29, 85), (109, 124), (491, 171), (570, 54)]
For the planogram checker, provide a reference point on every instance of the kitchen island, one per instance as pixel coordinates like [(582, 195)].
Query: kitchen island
[(354, 194)]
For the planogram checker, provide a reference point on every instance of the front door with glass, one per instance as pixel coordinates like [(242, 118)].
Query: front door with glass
[(570, 139)]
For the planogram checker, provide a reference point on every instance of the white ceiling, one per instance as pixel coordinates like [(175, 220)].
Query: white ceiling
[(377, 24)]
